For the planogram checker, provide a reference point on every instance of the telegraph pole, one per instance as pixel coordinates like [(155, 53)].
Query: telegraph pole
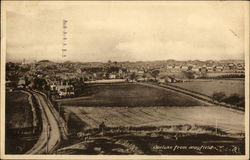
[(64, 37), (64, 51)]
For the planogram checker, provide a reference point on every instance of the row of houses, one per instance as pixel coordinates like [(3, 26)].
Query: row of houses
[(219, 68), (160, 79), (228, 68), (63, 89)]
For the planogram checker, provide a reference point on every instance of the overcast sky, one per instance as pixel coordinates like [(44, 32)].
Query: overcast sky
[(126, 31)]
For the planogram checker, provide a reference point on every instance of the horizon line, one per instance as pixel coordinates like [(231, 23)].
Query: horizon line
[(73, 61)]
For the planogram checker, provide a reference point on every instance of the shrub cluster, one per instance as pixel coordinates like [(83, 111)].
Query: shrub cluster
[(233, 99)]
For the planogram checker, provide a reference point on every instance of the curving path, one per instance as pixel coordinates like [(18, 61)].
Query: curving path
[(50, 137)]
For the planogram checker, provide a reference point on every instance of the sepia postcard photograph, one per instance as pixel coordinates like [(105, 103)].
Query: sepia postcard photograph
[(125, 80)]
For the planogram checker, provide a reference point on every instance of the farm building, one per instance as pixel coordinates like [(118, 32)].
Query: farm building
[(133, 70), (112, 76), (232, 66), (170, 66), (177, 68), (120, 72), (65, 90), (53, 85), (167, 79), (210, 68), (21, 83), (140, 72), (184, 67), (196, 68), (219, 68), (140, 78), (203, 70), (171, 79), (161, 80), (10, 85)]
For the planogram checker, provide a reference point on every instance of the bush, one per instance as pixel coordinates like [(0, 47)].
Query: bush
[(235, 99), (241, 102), (219, 96), (232, 99), (189, 75)]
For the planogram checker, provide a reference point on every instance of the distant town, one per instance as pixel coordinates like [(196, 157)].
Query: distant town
[(68, 78), (76, 100)]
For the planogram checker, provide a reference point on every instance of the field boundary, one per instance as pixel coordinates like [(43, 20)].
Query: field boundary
[(193, 94), (34, 114)]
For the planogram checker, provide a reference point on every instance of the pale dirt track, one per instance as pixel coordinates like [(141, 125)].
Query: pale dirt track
[(50, 135)]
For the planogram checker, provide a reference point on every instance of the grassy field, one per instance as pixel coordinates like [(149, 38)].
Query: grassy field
[(128, 94), (18, 115), (144, 130), (226, 120), (208, 87), (18, 110)]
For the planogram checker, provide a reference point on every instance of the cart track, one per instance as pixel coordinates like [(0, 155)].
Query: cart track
[(51, 133)]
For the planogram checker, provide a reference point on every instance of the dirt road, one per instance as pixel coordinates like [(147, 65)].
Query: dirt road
[(51, 132)]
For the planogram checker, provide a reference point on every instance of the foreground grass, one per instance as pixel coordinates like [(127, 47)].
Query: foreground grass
[(154, 141)]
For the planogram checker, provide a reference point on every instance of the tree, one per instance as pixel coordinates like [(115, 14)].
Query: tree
[(190, 67), (27, 81), (241, 102), (155, 73), (189, 75), (132, 76), (39, 83), (233, 99), (113, 69), (219, 96), (144, 76)]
